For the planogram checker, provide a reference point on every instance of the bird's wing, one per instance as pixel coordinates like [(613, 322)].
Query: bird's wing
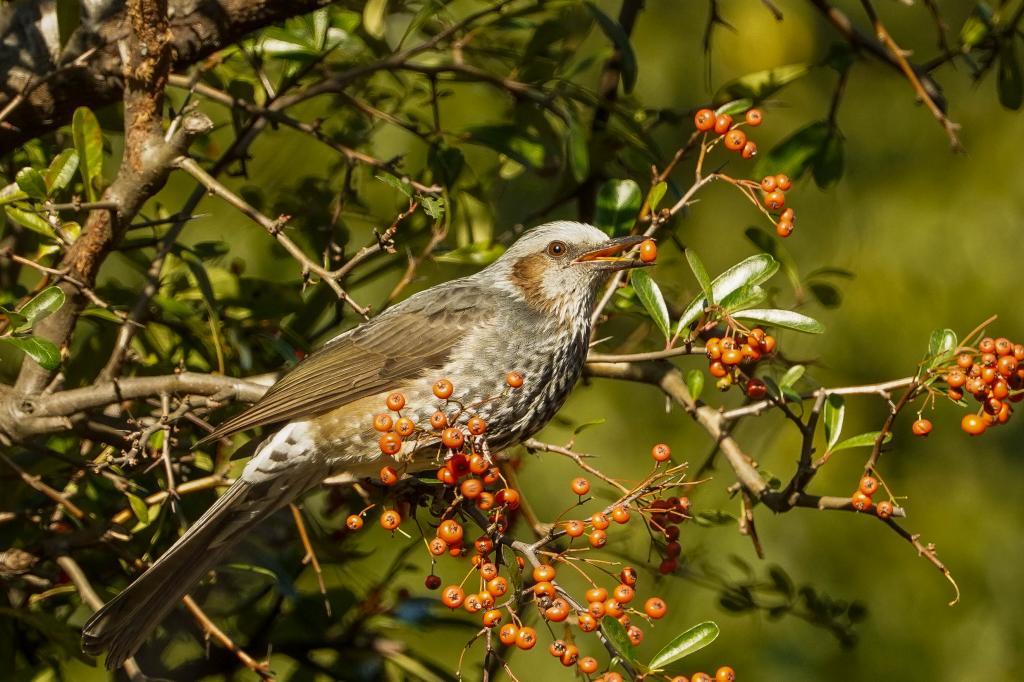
[(402, 343)]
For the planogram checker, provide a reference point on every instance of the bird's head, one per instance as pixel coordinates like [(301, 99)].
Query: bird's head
[(559, 267)]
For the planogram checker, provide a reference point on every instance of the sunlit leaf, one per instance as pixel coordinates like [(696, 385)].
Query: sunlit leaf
[(618, 638), (736, 106), (834, 413), (701, 273), (651, 298), (11, 193), (139, 507), (61, 170), (31, 221), (792, 375), (760, 84), (695, 382), (694, 639), (374, 13), (783, 318), (743, 298), (31, 183), (401, 184), (748, 272), (40, 350), (46, 302), (89, 143), (618, 203), (863, 440)]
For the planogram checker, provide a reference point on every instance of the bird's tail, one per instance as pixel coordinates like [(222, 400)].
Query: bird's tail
[(125, 622)]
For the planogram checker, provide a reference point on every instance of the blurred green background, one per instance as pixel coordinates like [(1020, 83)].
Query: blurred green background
[(933, 239)]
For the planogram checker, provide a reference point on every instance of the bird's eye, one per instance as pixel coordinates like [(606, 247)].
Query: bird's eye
[(557, 249)]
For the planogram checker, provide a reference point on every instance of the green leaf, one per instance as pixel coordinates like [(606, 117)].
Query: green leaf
[(31, 182), (656, 194), (46, 302), (743, 298), (794, 155), (760, 84), (737, 106), (434, 206), (1010, 83), (977, 26), (510, 141), (834, 412), (941, 346), (40, 350), (401, 184), (374, 13), (826, 294), (694, 639), (31, 221), (828, 165), (792, 375), (61, 170), (701, 273), (695, 382), (618, 638), (577, 149), (11, 193), (748, 272), (89, 143), (627, 59), (650, 296), (618, 203), (783, 318), (139, 507), (861, 441), (15, 320)]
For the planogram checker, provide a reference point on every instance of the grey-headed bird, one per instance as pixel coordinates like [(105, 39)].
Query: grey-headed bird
[(529, 311)]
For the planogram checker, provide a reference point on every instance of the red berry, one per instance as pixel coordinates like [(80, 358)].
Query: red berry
[(704, 120), (973, 424), (443, 389), (354, 522), (921, 427), (661, 453), (452, 438), (390, 443), (580, 486), (655, 608), (884, 509), (722, 123), (382, 422), (648, 251), (775, 200), (783, 182), (515, 379), (395, 402), (735, 139), (749, 150), (754, 117), (868, 485)]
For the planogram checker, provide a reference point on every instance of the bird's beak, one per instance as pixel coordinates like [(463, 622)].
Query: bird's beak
[(609, 256)]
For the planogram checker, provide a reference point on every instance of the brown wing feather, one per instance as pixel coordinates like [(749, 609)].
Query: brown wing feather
[(415, 336)]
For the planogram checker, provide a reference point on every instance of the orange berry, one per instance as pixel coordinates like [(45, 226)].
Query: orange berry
[(702, 677), (655, 607), (868, 485), (452, 438), (450, 531), (725, 674), (497, 587), (390, 519), (557, 648), (395, 402), (471, 488), (544, 589), (598, 538), (388, 476), (354, 522), (404, 427), (613, 608), (382, 422), (445, 475), (648, 251), (704, 120), (507, 497), (749, 150), (768, 345), (623, 593), (661, 452), (438, 421), (515, 379), (488, 570), (973, 424), (884, 509), (452, 596), (722, 123), (558, 611), (599, 521), (508, 634), (768, 183), (783, 229), (543, 573), (571, 655), (437, 546), (390, 443), (478, 464), (921, 427), (620, 515), (754, 117), (580, 486), (485, 502), (443, 389), (492, 618), (596, 594), (596, 609), (775, 200), (588, 664), (735, 139), (717, 369), (574, 529), (713, 348), (476, 426), (860, 501), (783, 182), (586, 622)]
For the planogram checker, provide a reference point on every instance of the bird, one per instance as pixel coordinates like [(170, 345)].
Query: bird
[(528, 312)]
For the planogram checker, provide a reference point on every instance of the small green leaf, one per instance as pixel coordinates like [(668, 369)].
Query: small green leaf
[(695, 382), (977, 26), (11, 193), (826, 294), (834, 413), (15, 320), (31, 221), (941, 346), (618, 638), (1010, 82), (656, 194), (139, 507), (650, 296), (760, 84), (783, 318), (40, 350), (401, 184), (434, 206), (374, 12), (701, 273), (577, 149), (737, 106), (31, 183), (89, 143), (46, 302), (861, 441), (61, 170), (618, 203), (792, 375), (627, 59), (694, 639), (743, 298)]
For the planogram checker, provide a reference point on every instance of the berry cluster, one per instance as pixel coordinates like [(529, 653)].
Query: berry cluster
[(861, 499), (993, 375), (732, 137), (773, 193), (723, 674), (727, 356)]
